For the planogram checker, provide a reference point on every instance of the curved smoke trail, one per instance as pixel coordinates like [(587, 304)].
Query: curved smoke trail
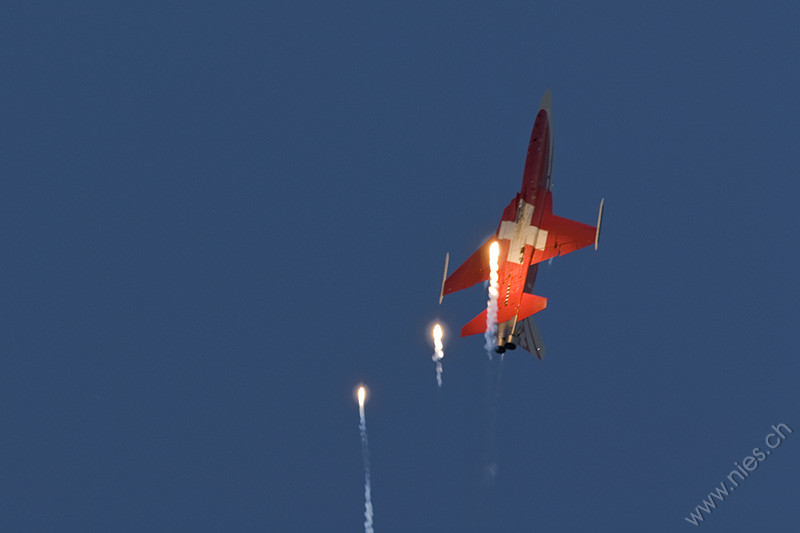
[(362, 426), (491, 305)]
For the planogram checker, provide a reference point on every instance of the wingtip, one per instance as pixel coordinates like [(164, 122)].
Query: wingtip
[(599, 222), (444, 276)]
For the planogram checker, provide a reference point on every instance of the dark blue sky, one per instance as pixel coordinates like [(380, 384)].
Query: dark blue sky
[(217, 219)]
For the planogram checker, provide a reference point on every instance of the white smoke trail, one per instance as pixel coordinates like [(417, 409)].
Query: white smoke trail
[(491, 305), (439, 354), (494, 374), (362, 426)]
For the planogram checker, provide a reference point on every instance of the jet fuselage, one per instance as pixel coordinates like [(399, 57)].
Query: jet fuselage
[(528, 234)]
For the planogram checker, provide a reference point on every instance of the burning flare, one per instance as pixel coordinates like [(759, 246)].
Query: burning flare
[(491, 305), (362, 394), (439, 355), (362, 427)]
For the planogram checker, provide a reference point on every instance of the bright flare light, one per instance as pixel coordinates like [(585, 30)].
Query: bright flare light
[(437, 338), (362, 394), (494, 255), (491, 305), (439, 355)]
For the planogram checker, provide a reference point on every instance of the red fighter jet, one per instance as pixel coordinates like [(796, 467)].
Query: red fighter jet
[(529, 233)]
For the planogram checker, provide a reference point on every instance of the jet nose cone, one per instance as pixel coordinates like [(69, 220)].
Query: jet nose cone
[(546, 102)]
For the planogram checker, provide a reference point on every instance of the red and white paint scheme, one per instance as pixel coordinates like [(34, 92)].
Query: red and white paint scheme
[(529, 233)]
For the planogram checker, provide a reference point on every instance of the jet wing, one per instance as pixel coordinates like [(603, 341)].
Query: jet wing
[(562, 235), (474, 270)]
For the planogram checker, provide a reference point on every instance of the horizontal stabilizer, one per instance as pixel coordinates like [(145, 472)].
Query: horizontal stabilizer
[(475, 326), (530, 305)]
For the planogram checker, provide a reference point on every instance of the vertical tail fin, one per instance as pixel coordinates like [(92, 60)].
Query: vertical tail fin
[(527, 337)]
